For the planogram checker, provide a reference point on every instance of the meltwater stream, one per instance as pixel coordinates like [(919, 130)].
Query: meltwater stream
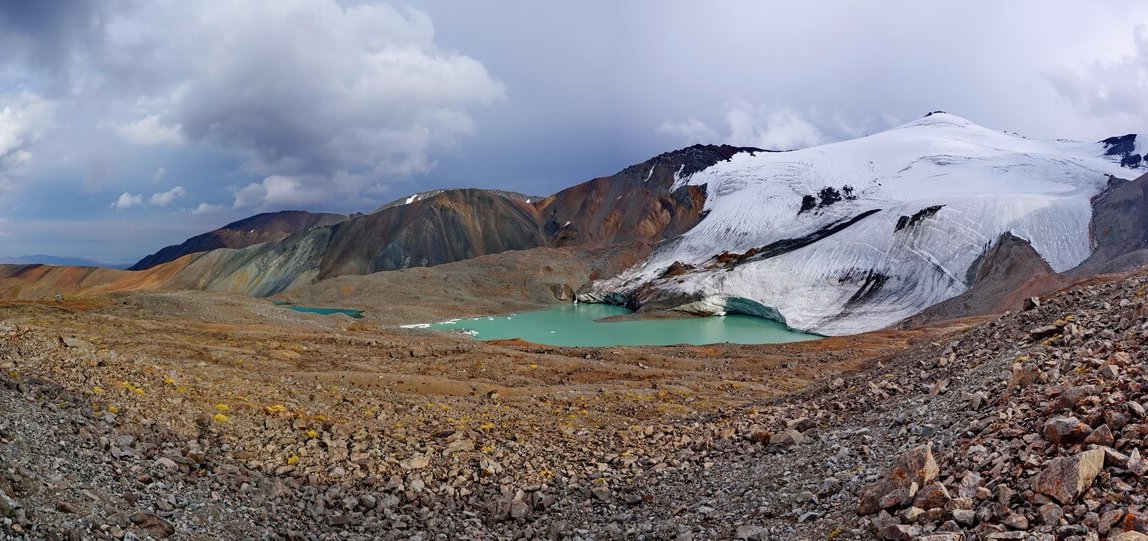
[(577, 325)]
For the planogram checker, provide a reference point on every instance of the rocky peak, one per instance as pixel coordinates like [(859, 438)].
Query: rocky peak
[(689, 160)]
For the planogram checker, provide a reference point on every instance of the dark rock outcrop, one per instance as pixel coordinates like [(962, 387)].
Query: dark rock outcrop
[(1125, 147), (905, 222)]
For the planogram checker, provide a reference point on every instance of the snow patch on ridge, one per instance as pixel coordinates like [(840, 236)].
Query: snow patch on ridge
[(679, 181)]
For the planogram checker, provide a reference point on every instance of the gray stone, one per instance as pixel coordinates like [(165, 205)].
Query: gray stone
[(8, 506), (899, 532), (154, 524), (1016, 521), (786, 439), (965, 517), (750, 532), (1050, 514), (518, 509), (941, 536)]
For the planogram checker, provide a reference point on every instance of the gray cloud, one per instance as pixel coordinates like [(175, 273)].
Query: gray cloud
[(1110, 87), (307, 89), (320, 89), (49, 35)]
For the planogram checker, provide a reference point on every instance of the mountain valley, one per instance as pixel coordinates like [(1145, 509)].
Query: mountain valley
[(981, 375)]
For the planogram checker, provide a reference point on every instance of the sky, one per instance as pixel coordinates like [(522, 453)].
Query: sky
[(128, 125)]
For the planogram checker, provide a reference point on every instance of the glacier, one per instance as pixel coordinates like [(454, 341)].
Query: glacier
[(857, 235)]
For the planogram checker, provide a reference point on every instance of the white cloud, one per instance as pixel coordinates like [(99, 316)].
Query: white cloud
[(23, 119), (277, 191), (159, 174), (149, 130), (207, 208), (771, 128), (164, 199), (127, 200), (159, 199)]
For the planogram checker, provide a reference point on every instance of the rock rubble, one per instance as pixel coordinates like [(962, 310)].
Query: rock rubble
[(994, 431)]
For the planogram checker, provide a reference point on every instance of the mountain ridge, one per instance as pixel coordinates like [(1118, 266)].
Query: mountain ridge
[(836, 239), (263, 227)]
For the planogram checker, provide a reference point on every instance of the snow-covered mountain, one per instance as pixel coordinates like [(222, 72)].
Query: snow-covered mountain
[(857, 235)]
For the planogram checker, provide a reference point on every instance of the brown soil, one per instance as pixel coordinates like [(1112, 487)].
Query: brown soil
[(174, 362)]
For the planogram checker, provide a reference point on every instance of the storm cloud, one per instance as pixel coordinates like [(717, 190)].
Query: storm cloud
[(126, 125), (304, 88)]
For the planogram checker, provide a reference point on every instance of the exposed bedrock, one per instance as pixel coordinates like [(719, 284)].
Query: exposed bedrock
[(1001, 279), (1119, 229)]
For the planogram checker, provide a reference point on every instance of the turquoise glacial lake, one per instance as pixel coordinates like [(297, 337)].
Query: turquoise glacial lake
[(578, 325), (327, 311)]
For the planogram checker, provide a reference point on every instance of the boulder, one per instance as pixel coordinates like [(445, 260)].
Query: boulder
[(1066, 478), (912, 469), (933, 496), (1101, 436), (153, 524), (1065, 430)]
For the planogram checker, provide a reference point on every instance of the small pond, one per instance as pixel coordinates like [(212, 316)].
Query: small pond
[(357, 314), (578, 325)]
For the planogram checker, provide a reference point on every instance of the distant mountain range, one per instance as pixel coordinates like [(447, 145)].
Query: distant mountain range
[(936, 218), (41, 259)]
